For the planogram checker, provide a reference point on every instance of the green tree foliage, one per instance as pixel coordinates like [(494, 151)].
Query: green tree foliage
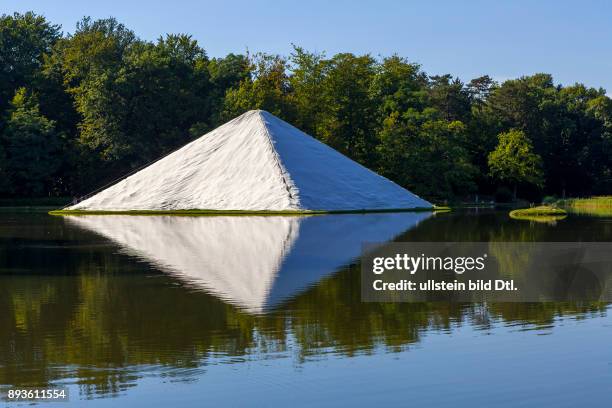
[(558, 122), (600, 109), (137, 100), (265, 87), (425, 154), (225, 73), (422, 141), (399, 86), (24, 40), (514, 161), (309, 71), (479, 89), (31, 147), (482, 126), (167, 85), (450, 97), (92, 64), (349, 124), (119, 102)]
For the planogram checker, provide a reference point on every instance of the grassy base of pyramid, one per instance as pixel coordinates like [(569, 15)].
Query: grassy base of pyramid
[(241, 212)]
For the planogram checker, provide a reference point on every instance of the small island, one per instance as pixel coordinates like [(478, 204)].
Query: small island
[(541, 210), (542, 214)]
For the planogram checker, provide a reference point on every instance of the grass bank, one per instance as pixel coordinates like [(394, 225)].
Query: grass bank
[(600, 206), (239, 212)]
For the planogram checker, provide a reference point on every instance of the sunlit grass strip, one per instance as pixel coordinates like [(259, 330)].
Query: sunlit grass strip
[(601, 201), (593, 202), (542, 210), (596, 206), (240, 212)]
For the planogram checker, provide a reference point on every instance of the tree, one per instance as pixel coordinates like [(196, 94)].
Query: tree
[(557, 120), (114, 102), (91, 62), (480, 88), (24, 40), (419, 146), (600, 109), (449, 97), (399, 86), (225, 74), (267, 87), (136, 100), (349, 122), (31, 147), (166, 87), (308, 73), (521, 103), (424, 154), (572, 158), (514, 161)]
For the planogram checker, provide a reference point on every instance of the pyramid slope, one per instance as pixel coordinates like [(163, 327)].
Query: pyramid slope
[(255, 162), (328, 180), (233, 167)]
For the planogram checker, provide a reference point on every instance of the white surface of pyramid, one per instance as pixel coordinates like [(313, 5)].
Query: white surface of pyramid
[(256, 162)]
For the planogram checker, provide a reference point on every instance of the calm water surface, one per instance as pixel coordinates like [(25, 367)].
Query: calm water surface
[(266, 311)]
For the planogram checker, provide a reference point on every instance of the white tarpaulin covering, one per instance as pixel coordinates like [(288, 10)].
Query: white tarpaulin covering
[(254, 162)]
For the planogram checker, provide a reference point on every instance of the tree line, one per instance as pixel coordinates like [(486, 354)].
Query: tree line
[(79, 110)]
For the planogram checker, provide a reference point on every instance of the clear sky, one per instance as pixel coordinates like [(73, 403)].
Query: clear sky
[(505, 39)]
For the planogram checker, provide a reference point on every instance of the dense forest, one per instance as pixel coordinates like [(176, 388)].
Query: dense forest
[(80, 110)]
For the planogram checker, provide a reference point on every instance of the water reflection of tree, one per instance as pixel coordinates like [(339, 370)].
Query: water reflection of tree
[(102, 320), (486, 225), (514, 260), (103, 324)]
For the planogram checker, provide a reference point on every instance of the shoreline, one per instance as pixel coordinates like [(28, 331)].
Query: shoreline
[(243, 212)]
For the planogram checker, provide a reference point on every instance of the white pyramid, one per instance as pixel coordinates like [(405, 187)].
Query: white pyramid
[(256, 162)]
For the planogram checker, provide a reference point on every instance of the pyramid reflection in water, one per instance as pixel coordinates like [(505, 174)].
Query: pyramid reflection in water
[(251, 262)]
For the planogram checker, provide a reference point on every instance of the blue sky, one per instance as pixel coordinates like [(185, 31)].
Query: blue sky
[(505, 39)]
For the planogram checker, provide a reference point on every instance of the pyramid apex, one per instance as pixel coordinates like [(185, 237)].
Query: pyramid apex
[(258, 113)]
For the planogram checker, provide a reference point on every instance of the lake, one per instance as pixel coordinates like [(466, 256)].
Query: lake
[(159, 311)]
